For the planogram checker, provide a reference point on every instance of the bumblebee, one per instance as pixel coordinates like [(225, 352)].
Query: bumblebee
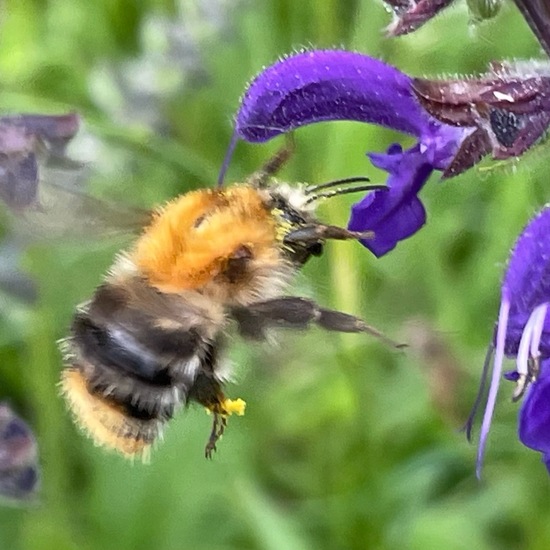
[(149, 341)]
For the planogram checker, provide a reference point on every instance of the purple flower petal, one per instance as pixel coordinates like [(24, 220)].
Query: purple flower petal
[(18, 179), (511, 375), (329, 85), (527, 281), (324, 85), (397, 213), (534, 416), (57, 130)]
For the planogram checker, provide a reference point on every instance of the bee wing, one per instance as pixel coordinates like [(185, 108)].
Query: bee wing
[(13, 280), (42, 187), (61, 214), (62, 210), (19, 471)]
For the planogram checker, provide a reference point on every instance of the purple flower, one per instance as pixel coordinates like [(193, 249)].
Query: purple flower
[(19, 469), (523, 333), (534, 417), (23, 139), (329, 85)]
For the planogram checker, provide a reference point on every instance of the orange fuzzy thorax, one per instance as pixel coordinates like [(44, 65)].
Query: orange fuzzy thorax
[(191, 239)]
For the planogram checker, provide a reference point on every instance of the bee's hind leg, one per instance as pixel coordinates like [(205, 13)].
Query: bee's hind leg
[(208, 392), (218, 427)]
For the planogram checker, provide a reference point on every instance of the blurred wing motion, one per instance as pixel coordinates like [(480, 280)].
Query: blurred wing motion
[(41, 186), (19, 470), (13, 281), (63, 211), (537, 15)]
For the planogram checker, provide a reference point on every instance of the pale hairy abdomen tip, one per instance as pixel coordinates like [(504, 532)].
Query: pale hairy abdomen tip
[(103, 422)]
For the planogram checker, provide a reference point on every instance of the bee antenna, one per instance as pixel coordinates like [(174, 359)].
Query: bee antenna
[(345, 191), (354, 179)]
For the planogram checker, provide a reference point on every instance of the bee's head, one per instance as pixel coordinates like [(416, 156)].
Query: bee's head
[(292, 214), (299, 232)]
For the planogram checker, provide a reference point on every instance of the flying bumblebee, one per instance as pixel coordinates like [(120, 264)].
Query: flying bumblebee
[(149, 340)]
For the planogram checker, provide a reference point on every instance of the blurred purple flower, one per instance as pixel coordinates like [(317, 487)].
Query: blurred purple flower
[(19, 471), (523, 333), (326, 85), (23, 140)]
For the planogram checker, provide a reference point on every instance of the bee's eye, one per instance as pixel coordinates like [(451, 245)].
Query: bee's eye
[(315, 249)]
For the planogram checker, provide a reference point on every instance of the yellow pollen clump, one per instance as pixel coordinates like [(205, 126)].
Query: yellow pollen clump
[(227, 407), (233, 406)]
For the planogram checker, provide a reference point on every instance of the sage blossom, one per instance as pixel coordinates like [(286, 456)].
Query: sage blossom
[(330, 85), (522, 333)]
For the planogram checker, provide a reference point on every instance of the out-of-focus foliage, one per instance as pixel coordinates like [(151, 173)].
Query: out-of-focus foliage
[(345, 444)]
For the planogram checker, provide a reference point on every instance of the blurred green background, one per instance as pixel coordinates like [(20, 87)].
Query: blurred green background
[(345, 444)]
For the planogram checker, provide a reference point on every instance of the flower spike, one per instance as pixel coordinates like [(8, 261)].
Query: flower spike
[(523, 334)]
